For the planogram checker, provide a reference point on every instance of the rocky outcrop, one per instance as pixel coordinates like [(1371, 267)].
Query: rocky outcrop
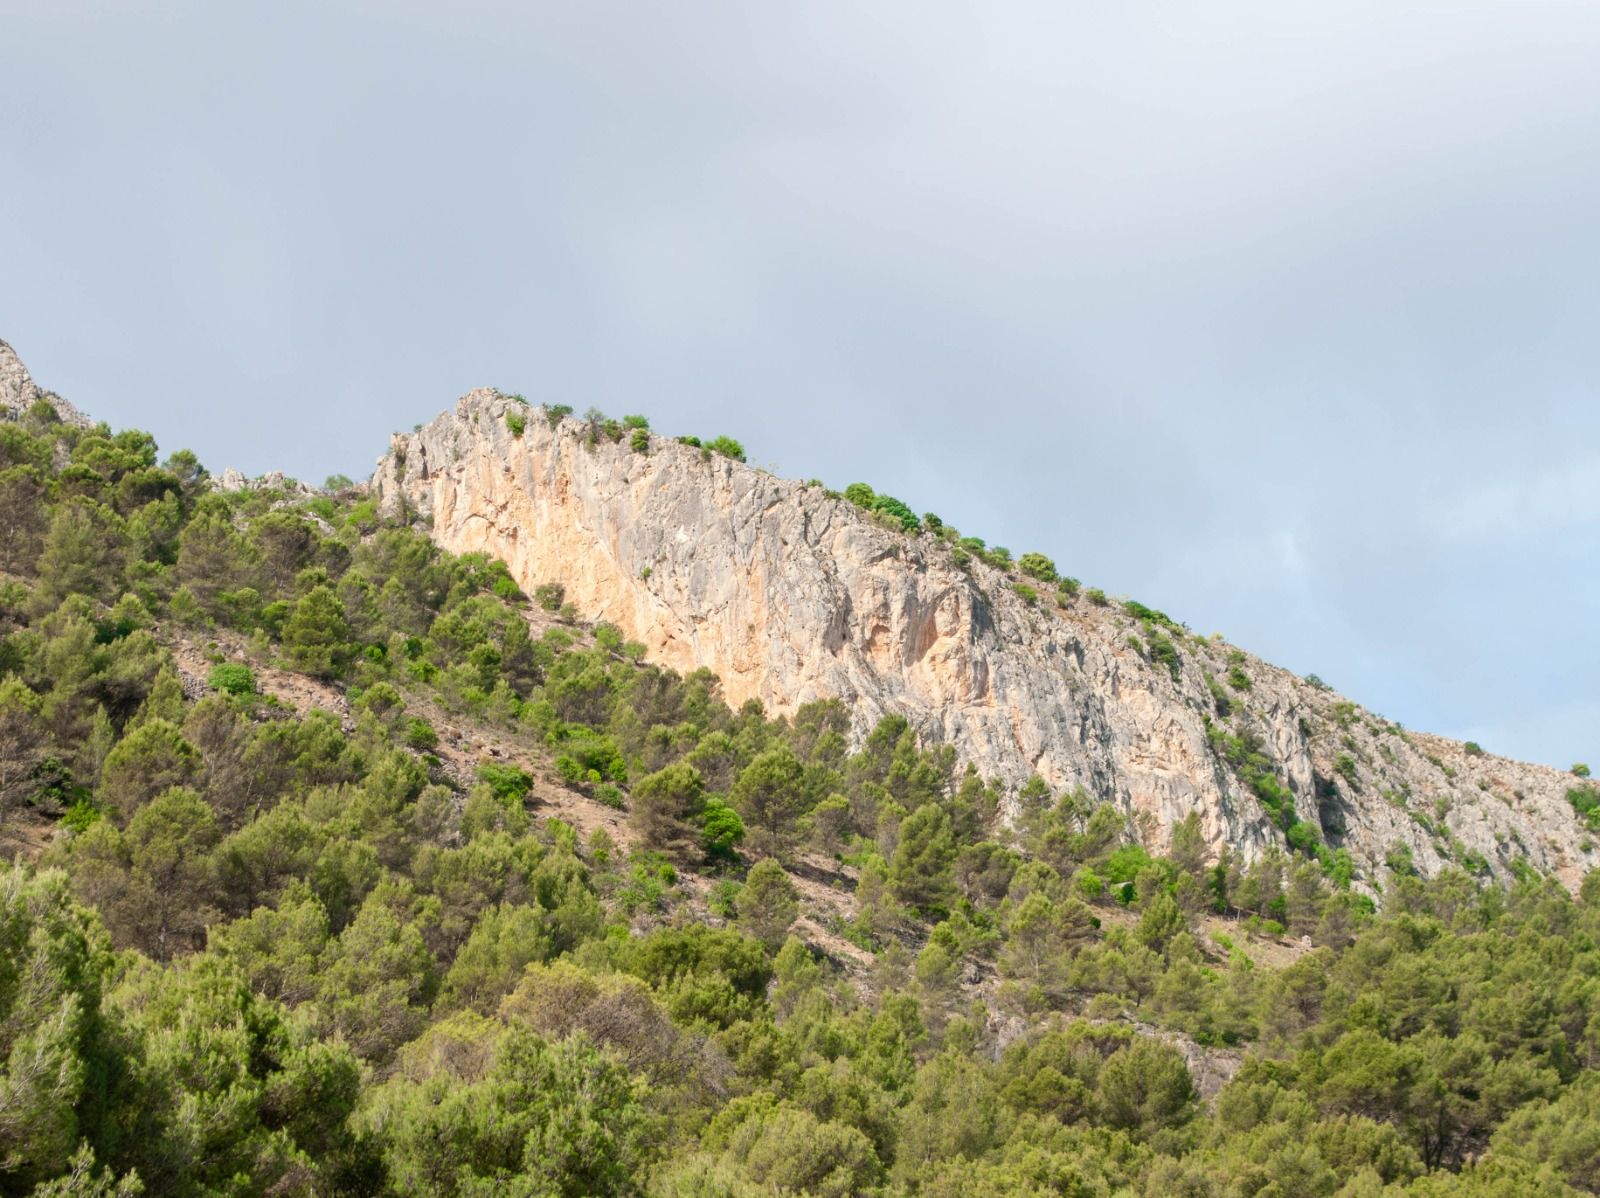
[(18, 392), (231, 480), (791, 594)]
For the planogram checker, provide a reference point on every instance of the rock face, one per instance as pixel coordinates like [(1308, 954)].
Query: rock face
[(273, 480), (18, 392), (790, 595)]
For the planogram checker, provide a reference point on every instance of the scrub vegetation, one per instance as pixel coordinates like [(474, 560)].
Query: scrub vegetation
[(344, 867)]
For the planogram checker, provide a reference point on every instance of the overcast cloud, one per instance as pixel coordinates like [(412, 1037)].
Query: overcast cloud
[(1280, 317)]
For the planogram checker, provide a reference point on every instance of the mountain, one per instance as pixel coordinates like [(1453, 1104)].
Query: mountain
[(790, 593), (398, 824)]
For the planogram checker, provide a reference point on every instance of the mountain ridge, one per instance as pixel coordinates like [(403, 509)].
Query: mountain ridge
[(792, 594)]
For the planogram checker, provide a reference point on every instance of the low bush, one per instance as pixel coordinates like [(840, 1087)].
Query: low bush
[(232, 677), (727, 447), (1037, 565)]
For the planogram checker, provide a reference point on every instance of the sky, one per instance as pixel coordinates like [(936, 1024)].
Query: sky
[(1278, 317)]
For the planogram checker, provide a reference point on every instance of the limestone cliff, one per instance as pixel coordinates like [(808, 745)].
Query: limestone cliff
[(791, 595), (18, 392)]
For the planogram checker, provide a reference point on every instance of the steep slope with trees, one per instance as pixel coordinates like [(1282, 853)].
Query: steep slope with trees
[(345, 866)]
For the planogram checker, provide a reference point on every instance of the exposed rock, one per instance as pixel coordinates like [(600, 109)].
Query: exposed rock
[(790, 595), (18, 392), (273, 480)]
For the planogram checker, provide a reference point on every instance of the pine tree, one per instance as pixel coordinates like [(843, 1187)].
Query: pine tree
[(665, 806), (316, 636), (921, 871), (768, 904), (769, 796)]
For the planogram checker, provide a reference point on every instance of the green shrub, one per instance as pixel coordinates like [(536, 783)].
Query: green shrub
[(1066, 590), (1027, 594), (722, 830), (516, 422), (419, 735), (1585, 801), (506, 781), (640, 441), (232, 677), (1246, 753), (1164, 652), (1091, 886), (867, 499), (1580, 770), (1098, 597), (1473, 749), (1345, 766), (1037, 565), (1303, 838), (550, 595), (1148, 614), (889, 506), (554, 414), (727, 447), (724, 897), (1219, 697), (81, 814)]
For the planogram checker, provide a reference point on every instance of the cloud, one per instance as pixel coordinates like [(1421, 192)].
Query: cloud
[(1278, 317)]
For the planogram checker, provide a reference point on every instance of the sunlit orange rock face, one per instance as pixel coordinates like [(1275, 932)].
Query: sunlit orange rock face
[(791, 595)]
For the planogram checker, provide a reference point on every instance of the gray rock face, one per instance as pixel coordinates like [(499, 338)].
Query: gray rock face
[(273, 480), (18, 392), (790, 596)]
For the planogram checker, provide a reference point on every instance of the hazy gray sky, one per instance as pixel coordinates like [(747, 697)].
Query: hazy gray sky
[(1280, 317)]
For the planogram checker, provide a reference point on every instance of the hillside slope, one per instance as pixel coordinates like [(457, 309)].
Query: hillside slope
[(791, 594)]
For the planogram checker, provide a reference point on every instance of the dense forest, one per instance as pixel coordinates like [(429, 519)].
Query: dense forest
[(342, 866)]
